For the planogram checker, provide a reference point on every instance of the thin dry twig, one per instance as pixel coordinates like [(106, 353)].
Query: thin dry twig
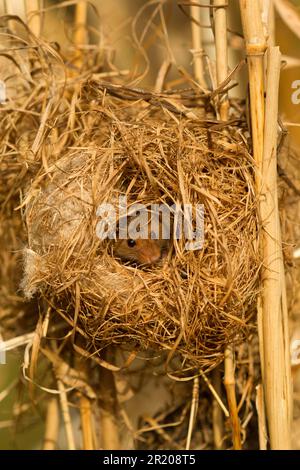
[(215, 394), (229, 382), (193, 412)]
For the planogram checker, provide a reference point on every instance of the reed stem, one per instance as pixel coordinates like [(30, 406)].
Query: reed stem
[(80, 23), (217, 415), (277, 379), (52, 425), (33, 16), (255, 48), (229, 383), (197, 46), (220, 15), (86, 423), (272, 311)]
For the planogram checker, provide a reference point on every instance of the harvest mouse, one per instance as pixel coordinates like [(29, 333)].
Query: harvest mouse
[(141, 251), (145, 248)]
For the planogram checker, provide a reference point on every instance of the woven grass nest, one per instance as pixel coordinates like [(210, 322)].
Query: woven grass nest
[(72, 142), (193, 303)]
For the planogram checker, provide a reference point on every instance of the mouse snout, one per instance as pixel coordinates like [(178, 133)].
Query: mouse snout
[(150, 253)]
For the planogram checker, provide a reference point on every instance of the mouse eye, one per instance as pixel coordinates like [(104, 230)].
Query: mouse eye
[(131, 243)]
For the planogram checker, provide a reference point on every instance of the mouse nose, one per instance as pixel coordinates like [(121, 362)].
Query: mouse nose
[(151, 258)]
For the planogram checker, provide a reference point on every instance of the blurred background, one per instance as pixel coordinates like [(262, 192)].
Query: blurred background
[(115, 25)]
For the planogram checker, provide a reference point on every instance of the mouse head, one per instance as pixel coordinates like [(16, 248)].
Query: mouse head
[(141, 251), (143, 246)]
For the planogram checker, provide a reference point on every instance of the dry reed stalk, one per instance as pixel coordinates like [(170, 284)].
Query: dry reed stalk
[(277, 379), (217, 416), (193, 412), (154, 425), (86, 423), (18, 341), (117, 73), (14, 7), (220, 15), (33, 19), (215, 394), (34, 356), (271, 24), (262, 424), (109, 433), (197, 50), (80, 23), (86, 411), (272, 316), (260, 335), (229, 382), (268, 17), (66, 415), (51, 426), (255, 48), (161, 76), (40, 332), (80, 33)]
